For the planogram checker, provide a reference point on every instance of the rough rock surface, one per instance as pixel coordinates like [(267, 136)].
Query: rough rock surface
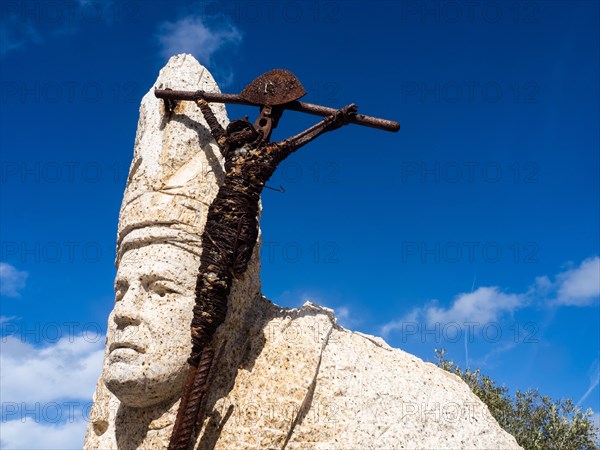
[(288, 378)]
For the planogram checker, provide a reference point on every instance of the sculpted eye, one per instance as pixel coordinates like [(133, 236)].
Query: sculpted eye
[(162, 288)]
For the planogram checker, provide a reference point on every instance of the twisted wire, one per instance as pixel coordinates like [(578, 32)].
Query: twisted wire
[(228, 240)]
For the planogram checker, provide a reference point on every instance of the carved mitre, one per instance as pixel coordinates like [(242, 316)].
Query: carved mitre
[(176, 165)]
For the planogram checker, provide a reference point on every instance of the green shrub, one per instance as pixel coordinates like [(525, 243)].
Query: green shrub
[(536, 421)]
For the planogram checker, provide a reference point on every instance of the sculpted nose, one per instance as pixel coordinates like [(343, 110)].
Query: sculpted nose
[(127, 310)]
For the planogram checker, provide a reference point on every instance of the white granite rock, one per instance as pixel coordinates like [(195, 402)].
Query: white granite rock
[(288, 378)]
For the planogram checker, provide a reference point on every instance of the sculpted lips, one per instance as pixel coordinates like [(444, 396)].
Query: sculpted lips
[(118, 345)]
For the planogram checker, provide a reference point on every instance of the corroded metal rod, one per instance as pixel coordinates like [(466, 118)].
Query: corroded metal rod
[(310, 108)]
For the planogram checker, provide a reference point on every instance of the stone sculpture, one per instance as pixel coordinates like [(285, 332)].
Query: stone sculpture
[(287, 378)]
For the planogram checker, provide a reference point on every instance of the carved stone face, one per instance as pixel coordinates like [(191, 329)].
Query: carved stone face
[(148, 337)]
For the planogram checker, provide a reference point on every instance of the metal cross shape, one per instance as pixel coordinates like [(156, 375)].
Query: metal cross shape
[(274, 92)]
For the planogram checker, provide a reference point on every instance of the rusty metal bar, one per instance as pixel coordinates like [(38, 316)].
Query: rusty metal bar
[(310, 108), (359, 119)]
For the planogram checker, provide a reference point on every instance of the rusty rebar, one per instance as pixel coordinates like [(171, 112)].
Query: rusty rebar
[(310, 108)]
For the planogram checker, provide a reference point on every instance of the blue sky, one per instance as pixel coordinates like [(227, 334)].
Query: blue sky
[(475, 228)]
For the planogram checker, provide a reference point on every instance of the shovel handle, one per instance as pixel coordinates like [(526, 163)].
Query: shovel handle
[(310, 108)]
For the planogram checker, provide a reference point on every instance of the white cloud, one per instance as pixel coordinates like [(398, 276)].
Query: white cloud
[(29, 434), (11, 280), (47, 390), (412, 317), (45, 374), (579, 286), (16, 33), (342, 312), (482, 306), (191, 35), (344, 317), (594, 373), (6, 319), (542, 286), (24, 24)]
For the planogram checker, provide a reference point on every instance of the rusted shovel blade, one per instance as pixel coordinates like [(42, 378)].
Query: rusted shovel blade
[(275, 87)]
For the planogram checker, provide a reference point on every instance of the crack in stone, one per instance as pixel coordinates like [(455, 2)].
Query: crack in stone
[(306, 403)]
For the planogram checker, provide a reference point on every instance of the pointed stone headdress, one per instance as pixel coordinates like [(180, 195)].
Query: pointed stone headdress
[(176, 165)]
